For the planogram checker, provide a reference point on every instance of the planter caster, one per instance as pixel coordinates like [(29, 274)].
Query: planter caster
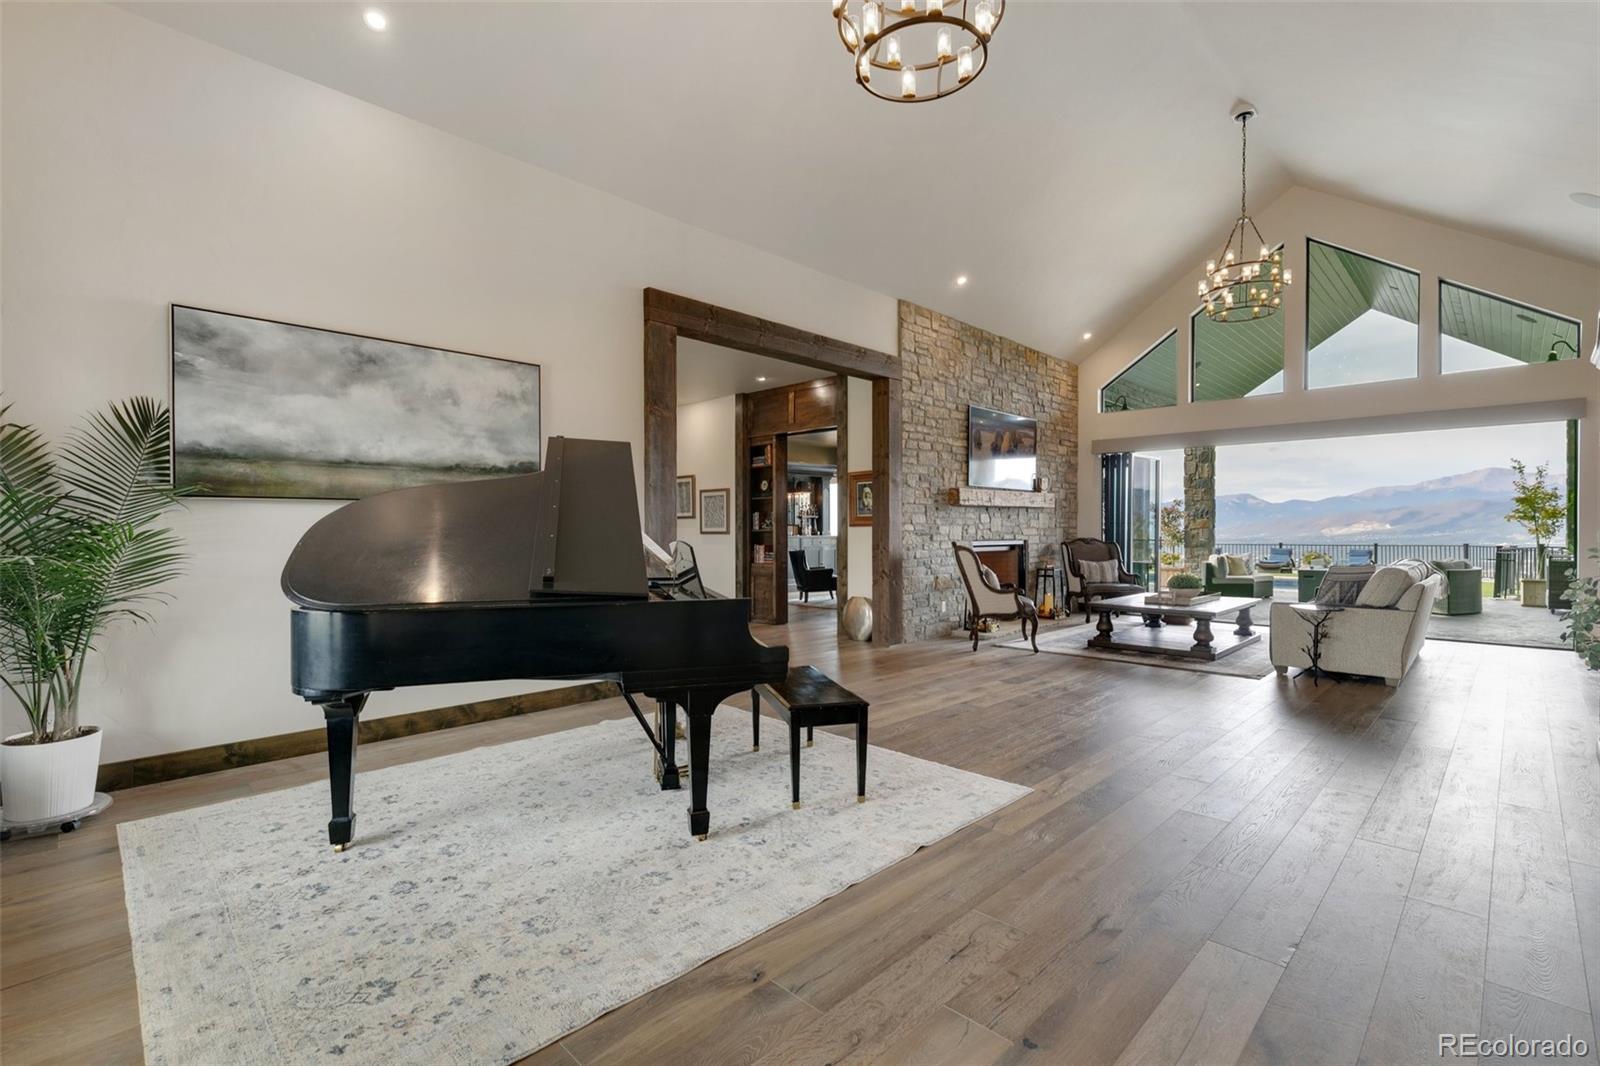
[(71, 822)]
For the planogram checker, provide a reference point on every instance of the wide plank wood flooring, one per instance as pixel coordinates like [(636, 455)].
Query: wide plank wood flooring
[(1209, 870)]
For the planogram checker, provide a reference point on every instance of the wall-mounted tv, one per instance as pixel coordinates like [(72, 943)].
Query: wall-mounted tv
[(1002, 449)]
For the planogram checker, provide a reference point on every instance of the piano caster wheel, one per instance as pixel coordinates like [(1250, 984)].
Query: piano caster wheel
[(811, 743), (702, 836), (795, 806), (340, 847), (861, 799), (755, 747)]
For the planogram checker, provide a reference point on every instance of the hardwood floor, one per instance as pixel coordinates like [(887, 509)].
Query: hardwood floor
[(1209, 870)]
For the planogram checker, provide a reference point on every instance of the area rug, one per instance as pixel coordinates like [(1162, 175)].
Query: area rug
[(1251, 661), (499, 898)]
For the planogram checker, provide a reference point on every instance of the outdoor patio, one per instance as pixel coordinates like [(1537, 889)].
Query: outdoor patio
[(1503, 621)]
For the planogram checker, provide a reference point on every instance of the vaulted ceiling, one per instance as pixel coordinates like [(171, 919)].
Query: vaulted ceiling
[(1086, 169)]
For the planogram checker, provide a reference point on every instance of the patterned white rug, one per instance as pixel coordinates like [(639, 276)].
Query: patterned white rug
[(499, 898)]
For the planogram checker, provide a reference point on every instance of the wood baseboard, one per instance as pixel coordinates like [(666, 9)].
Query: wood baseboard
[(175, 764)]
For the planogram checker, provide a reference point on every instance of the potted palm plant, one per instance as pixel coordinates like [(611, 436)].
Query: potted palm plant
[(81, 548)]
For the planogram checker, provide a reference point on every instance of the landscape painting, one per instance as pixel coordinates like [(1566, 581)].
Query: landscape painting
[(267, 409)]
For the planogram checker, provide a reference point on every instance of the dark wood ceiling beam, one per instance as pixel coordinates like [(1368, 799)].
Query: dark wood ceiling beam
[(734, 329)]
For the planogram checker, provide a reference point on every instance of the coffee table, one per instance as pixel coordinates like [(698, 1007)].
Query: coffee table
[(1155, 637)]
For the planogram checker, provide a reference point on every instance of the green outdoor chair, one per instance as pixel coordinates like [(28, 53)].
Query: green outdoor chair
[(1463, 588), (1255, 585)]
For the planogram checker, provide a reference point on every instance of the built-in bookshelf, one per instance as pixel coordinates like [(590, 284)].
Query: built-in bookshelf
[(765, 529)]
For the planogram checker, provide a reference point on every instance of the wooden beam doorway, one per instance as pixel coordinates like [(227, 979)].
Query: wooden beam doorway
[(667, 317)]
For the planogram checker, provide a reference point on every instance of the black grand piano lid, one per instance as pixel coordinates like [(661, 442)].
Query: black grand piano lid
[(570, 530)]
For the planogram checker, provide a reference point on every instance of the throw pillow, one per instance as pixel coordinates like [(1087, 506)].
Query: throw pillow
[(1100, 572), (1238, 566), (1390, 582), (1341, 585), (989, 576)]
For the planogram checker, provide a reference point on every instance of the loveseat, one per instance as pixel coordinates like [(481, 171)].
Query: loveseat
[(1364, 638), (1218, 578)]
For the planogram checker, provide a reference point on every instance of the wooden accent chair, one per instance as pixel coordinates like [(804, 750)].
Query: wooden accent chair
[(809, 579), (1082, 550), (987, 598)]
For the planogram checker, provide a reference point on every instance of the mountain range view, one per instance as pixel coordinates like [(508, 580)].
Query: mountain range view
[(1469, 507)]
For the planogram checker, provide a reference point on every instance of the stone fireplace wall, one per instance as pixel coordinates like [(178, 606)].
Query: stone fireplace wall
[(947, 365)]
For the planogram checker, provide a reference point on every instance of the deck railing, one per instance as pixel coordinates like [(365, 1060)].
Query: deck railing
[(1480, 555)]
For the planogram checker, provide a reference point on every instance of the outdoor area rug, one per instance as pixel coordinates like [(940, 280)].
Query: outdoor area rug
[(1251, 661), (497, 899)]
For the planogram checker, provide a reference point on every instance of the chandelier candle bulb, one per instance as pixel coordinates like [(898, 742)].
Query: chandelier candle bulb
[(908, 7), (983, 18), (908, 83), (964, 63), (891, 51), (935, 7), (871, 21), (945, 51)]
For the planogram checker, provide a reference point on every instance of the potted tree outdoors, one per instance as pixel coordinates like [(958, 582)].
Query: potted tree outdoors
[(1536, 506), (80, 549)]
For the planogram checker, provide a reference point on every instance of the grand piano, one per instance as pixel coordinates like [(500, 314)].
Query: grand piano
[(541, 576)]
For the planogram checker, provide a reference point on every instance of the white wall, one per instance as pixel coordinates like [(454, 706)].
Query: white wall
[(858, 441), (705, 449), (1432, 400), (141, 167)]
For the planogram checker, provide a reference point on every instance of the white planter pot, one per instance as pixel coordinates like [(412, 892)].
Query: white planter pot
[(45, 781)]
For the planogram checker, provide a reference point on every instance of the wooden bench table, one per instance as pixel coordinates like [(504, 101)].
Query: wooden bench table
[(806, 699)]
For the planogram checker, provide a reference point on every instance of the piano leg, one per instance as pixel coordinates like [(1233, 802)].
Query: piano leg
[(667, 728), (343, 718), (699, 708)]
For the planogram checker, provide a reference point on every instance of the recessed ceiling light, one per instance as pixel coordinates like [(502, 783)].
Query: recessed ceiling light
[(375, 19), (1587, 199), (1086, 336), (961, 279), (761, 378)]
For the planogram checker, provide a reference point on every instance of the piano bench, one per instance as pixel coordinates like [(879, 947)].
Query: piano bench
[(806, 699)]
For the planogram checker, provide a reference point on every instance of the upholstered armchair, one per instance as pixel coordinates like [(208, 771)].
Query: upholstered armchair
[(809, 579), (1463, 588), (987, 598), (1105, 556)]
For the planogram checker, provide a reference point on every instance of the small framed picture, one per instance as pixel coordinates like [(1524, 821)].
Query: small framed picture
[(686, 496), (713, 510), (861, 497)]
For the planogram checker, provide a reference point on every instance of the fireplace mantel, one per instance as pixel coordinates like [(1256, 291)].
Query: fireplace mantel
[(967, 496)]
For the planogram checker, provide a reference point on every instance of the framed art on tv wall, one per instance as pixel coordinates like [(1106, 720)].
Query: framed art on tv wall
[(269, 409), (713, 510), (686, 496)]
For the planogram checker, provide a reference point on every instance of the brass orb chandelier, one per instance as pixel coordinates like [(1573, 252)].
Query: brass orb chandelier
[(1234, 288), (910, 51)]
